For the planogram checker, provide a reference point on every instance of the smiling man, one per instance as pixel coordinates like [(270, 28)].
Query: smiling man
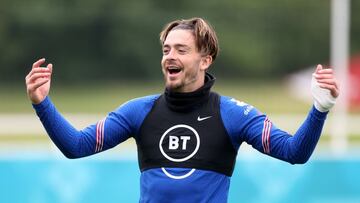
[(187, 137), (185, 59)]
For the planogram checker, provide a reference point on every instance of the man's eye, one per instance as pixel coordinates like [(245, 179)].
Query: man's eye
[(165, 51), (181, 51)]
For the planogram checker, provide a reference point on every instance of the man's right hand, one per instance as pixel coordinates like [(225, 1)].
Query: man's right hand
[(38, 81)]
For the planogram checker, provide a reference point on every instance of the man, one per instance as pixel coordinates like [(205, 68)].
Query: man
[(188, 137)]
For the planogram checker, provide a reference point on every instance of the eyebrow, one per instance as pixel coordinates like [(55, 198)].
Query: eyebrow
[(177, 46)]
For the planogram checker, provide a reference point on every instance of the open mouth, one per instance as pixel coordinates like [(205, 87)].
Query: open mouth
[(173, 70)]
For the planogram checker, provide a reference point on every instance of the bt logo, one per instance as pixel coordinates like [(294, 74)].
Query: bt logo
[(179, 143), (174, 142)]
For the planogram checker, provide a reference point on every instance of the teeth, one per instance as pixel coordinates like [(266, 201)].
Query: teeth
[(173, 68)]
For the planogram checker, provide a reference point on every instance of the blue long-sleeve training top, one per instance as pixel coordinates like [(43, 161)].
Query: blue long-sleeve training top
[(187, 142)]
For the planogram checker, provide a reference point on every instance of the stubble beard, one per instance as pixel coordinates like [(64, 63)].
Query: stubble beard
[(173, 85), (179, 85)]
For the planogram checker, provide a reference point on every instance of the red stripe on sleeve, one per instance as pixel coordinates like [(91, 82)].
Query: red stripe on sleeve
[(99, 135), (265, 137)]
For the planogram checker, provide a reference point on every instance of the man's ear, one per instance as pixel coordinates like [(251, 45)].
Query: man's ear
[(206, 61)]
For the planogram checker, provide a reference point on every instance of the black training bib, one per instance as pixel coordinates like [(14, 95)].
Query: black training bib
[(191, 139)]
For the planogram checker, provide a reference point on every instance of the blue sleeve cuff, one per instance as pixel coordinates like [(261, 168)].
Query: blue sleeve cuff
[(42, 105), (318, 114)]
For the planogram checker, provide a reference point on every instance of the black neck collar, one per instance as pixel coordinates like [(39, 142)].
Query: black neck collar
[(179, 101)]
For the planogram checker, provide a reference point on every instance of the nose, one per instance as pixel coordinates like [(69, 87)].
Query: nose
[(171, 54)]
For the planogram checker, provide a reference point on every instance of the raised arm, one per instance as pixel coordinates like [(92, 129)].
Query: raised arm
[(107, 133), (245, 124)]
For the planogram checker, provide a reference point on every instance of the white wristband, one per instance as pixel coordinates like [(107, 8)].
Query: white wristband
[(323, 100)]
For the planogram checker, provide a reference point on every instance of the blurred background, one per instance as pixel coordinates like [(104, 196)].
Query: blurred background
[(107, 52)]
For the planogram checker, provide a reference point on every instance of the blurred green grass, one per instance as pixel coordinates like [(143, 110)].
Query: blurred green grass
[(270, 97), (267, 96)]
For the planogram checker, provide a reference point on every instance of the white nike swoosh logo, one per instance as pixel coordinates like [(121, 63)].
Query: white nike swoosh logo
[(201, 119)]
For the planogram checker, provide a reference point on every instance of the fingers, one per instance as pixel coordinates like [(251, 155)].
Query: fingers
[(324, 76), (318, 68), (334, 90), (323, 73), (327, 82), (321, 70), (38, 83), (38, 75), (49, 66), (326, 79), (330, 84), (37, 69), (38, 63)]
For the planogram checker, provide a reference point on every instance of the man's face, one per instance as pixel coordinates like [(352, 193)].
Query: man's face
[(182, 64)]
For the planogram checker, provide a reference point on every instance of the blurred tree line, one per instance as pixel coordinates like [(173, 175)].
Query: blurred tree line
[(111, 40)]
